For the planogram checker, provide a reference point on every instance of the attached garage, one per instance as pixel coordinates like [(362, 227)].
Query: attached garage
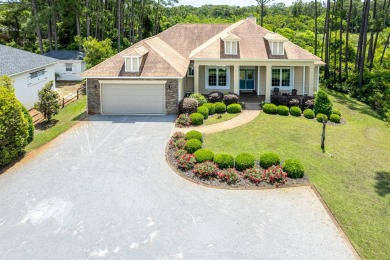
[(121, 97)]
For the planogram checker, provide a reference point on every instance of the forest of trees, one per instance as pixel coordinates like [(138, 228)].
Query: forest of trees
[(351, 36)]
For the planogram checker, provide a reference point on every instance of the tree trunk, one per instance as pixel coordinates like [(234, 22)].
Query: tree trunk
[(78, 27), (347, 39), (49, 34), (38, 27), (384, 49), (156, 18), (335, 40), (119, 24), (364, 43), (370, 56), (87, 21), (262, 14), (141, 21), (341, 39), (327, 39), (315, 27), (132, 38)]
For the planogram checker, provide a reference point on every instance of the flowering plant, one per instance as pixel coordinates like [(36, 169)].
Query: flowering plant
[(205, 169), (275, 175), (229, 175), (186, 161)]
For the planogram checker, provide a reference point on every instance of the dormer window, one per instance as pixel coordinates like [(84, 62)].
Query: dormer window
[(277, 48), (276, 43), (132, 63), (231, 47)]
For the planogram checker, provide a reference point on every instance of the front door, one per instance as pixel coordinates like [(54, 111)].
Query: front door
[(247, 79)]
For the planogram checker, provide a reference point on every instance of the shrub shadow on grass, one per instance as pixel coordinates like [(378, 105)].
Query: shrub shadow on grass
[(46, 125), (382, 185)]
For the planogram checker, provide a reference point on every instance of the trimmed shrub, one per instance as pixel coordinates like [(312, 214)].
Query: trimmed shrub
[(283, 110), (193, 145), (31, 127), (180, 152), (294, 102), (337, 112), (244, 161), (186, 161), (269, 159), (335, 118), (308, 113), (48, 101), (196, 118), (177, 135), (309, 104), (210, 107), (204, 111), (320, 117), (200, 98), (254, 175), (220, 108), (203, 155), (224, 160), (230, 99), (205, 169), (193, 134), (183, 120), (275, 175), (270, 109), (14, 131), (295, 111), (293, 168), (188, 105), (242, 104), (322, 103), (229, 175), (215, 96), (233, 108)]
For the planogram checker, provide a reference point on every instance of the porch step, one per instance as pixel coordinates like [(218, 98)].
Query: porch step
[(252, 106)]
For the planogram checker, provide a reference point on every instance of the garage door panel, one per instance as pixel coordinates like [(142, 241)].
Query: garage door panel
[(119, 99)]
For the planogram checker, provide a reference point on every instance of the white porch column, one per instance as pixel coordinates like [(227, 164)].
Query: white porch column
[(258, 80), (196, 78), (311, 80), (236, 83), (268, 78)]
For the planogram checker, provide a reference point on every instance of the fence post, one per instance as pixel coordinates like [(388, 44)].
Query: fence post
[(63, 102), (77, 94)]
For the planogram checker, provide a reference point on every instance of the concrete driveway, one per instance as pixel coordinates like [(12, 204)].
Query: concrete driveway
[(103, 189)]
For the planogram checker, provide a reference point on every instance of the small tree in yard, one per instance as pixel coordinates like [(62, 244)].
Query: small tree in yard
[(322, 103), (48, 102)]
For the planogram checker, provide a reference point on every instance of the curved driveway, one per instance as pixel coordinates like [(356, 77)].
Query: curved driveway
[(103, 189)]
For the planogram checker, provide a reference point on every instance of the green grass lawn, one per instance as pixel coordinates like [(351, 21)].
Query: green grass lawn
[(67, 117), (214, 118), (355, 182)]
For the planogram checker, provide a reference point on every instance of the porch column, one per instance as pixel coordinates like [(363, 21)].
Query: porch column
[(196, 78), (258, 80), (236, 77), (311, 80), (268, 78)]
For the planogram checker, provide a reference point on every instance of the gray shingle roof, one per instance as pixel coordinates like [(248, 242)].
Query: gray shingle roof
[(14, 61), (66, 55)]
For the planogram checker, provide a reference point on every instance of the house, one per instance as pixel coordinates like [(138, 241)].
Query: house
[(71, 64), (152, 76), (29, 71)]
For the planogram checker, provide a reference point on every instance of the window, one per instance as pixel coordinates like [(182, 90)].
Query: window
[(231, 47), (190, 72), (68, 66), (281, 78), (277, 48), (217, 78), (132, 64), (36, 74)]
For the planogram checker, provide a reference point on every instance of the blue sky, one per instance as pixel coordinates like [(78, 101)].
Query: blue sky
[(228, 2)]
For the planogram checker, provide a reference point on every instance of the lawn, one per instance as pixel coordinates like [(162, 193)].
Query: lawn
[(354, 181), (214, 118), (67, 117)]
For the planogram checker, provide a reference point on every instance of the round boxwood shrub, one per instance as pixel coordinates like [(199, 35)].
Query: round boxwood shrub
[(293, 168), (193, 134), (188, 106), (210, 107), (270, 109), (204, 111), (224, 160), (337, 112), (230, 99), (220, 108), (197, 118), (283, 110), (215, 96), (335, 118), (233, 108), (203, 155), (320, 117), (244, 161), (308, 113), (322, 103), (193, 145), (200, 98), (269, 159), (295, 111)]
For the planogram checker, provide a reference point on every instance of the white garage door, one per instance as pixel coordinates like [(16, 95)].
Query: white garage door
[(133, 98)]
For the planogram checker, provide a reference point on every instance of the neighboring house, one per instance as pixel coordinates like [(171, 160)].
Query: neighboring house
[(152, 76), (71, 64), (30, 72)]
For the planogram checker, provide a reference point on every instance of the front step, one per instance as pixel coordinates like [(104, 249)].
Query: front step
[(252, 106)]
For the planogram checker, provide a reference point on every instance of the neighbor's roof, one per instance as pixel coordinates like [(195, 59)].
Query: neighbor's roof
[(65, 55), (14, 61), (169, 53)]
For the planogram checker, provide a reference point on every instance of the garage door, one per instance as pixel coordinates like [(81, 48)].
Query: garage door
[(133, 98)]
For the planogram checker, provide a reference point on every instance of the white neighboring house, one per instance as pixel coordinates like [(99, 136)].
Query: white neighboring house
[(71, 64), (30, 72)]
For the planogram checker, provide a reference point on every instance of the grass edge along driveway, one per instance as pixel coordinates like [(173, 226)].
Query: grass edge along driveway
[(354, 183)]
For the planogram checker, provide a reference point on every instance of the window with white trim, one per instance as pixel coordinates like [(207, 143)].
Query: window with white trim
[(132, 64), (190, 72), (231, 47), (37, 74), (281, 77), (277, 48), (68, 66), (217, 78)]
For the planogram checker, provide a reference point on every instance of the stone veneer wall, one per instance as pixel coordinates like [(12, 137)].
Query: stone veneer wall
[(171, 95)]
